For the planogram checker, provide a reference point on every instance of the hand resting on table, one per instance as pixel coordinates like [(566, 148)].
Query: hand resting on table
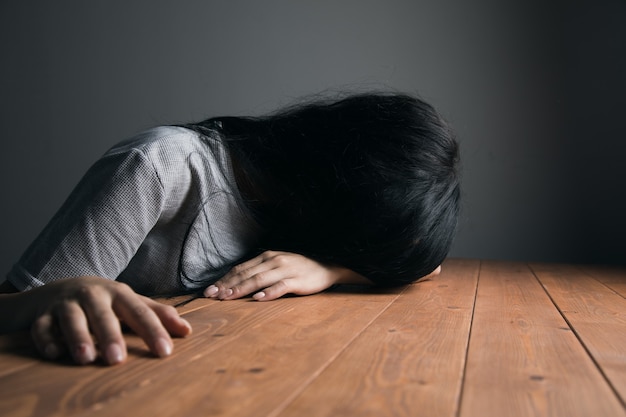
[(82, 315)]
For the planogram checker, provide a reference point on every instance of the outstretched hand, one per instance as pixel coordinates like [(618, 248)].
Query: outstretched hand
[(69, 314), (273, 274)]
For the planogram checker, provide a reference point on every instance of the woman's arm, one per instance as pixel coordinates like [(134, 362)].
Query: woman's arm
[(99, 227), (274, 274), (65, 314)]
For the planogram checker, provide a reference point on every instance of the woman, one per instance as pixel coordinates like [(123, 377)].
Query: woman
[(360, 190)]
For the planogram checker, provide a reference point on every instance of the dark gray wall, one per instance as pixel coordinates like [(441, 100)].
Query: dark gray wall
[(536, 91)]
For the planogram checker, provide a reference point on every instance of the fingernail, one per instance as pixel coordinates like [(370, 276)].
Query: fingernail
[(259, 295), (211, 291), (84, 354), (114, 354), (163, 347), (51, 351)]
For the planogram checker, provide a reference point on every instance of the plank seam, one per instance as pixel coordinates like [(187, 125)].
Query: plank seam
[(457, 412), (584, 271), (578, 336), (296, 393)]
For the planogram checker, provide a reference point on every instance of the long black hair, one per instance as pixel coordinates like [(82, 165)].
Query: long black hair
[(369, 182)]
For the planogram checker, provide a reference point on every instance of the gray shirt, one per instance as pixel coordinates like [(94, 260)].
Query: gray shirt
[(160, 212)]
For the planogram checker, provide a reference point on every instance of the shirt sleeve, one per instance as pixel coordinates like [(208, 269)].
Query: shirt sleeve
[(99, 228)]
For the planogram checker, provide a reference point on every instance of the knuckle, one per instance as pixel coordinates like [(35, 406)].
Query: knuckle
[(65, 312), (123, 288), (281, 260), (259, 279), (237, 269), (96, 290), (123, 294), (268, 254), (282, 286), (88, 293), (140, 311)]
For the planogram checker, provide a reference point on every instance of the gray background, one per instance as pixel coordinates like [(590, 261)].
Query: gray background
[(536, 91)]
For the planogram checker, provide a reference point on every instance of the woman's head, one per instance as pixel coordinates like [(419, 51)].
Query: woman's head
[(369, 182)]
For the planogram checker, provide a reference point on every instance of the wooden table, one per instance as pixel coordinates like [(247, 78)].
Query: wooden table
[(481, 339)]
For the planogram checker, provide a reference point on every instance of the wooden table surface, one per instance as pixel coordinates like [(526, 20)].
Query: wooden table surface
[(481, 339)]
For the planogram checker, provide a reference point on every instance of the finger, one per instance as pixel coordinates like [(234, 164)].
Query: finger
[(171, 320), (211, 291), (143, 320), (75, 328), (259, 280), (224, 288), (45, 336), (237, 274), (107, 329), (274, 291), (238, 271)]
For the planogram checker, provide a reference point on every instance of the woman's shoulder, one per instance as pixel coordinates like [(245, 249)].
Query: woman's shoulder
[(180, 157), (169, 139), (172, 148)]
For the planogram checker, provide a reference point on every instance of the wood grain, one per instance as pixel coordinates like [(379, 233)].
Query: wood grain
[(595, 312), (79, 388), (482, 339), (613, 277), (17, 353), (409, 361), (523, 359), (260, 363)]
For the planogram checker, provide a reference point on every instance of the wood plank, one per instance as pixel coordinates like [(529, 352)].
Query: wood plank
[(410, 358), (185, 303), (595, 312), (268, 364), (358, 352), (240, 361), (177, 300), (17, 353), (60, 388), (63, 389), (523, 359), (613, 277)]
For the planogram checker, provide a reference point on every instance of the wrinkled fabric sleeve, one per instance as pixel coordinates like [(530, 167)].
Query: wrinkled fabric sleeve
[(101, 225)]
